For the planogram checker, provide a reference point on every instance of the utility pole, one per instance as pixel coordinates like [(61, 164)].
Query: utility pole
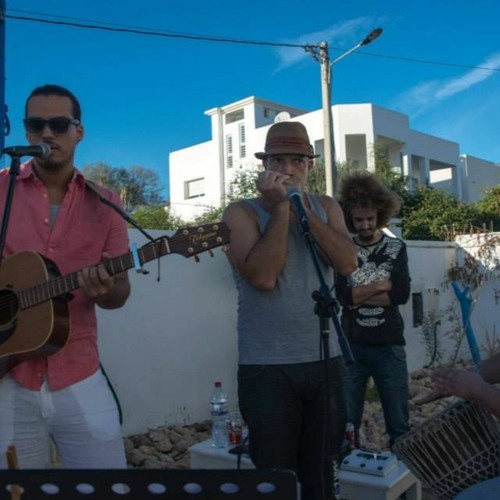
[(326, 97)]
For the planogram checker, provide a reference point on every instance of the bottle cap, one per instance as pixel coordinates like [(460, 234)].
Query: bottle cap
[(218, 383)]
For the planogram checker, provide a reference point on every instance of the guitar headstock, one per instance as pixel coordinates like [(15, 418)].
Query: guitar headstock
[(190, 241)]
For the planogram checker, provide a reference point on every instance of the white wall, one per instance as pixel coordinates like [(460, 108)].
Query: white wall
[(478, 175), (196, 162), (164, 349)]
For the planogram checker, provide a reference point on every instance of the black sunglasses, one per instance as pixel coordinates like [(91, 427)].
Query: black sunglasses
[(58, 125)]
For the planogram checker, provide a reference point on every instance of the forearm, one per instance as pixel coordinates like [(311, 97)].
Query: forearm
[(490, 369), (380, 299), (362, 293), (489, 397), (265, 261), (373, 294), (336, 244), (117, 294)]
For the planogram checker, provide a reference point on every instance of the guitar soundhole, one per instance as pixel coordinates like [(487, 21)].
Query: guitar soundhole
[(9, 305)]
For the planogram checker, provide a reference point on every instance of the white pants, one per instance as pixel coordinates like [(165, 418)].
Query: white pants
[(82, 420)]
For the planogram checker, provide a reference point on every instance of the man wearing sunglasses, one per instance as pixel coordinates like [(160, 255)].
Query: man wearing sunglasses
[(64, 395)]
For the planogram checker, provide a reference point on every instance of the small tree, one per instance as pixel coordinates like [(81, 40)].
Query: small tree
[(157, 217), (136, 185), (433, 214), (387, 172), (479, 262), (489, 208), (242, 186)]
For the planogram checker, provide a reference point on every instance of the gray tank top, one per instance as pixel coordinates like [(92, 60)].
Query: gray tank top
[(280, 326)]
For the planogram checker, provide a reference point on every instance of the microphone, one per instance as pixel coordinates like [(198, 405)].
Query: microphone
[(40, 150), (295, 197)]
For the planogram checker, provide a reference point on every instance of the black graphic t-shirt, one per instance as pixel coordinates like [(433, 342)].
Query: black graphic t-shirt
[(367, 324)]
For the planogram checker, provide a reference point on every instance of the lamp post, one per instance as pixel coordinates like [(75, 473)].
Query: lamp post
[(326, 97)]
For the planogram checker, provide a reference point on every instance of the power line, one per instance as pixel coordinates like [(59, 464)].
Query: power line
[(166, 34), (311, 47), (422, 61)]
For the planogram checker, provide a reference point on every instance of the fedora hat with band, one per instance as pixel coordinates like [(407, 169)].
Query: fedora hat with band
[(287, 138)]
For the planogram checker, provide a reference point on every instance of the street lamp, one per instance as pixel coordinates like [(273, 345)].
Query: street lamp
[(326, 97)]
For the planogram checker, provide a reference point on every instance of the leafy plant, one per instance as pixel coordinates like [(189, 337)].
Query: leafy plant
[(157, 217)]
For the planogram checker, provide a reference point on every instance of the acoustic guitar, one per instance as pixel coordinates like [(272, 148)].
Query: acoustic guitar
[(34, 315)]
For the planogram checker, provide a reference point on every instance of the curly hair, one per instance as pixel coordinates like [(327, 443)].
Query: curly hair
[(366, 190)]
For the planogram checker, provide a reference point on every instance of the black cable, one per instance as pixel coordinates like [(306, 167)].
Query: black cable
[(165, 34), (311, 47), (115, 396), (434, 338)]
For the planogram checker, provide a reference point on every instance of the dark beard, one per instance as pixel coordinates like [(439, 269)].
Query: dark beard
[(367, 240), (49, 164)]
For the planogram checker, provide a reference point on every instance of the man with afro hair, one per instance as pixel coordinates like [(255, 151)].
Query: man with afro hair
[(370, 297)]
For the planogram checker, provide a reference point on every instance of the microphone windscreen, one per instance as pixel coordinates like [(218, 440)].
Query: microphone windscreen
[(46, 151), (293, 191)]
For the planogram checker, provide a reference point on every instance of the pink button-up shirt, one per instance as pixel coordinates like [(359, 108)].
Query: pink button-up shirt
[(83, 230)]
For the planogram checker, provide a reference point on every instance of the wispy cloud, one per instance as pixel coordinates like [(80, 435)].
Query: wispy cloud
[(429, 94), (344, 34)]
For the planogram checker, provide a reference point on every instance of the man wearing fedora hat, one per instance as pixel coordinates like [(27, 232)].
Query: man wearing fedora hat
[(281, 386)]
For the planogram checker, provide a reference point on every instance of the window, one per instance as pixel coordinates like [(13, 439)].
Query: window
[(229, 144), (243, 147), (269, 113), (235, 116), (229, 151), (417, 309), (194, 188)]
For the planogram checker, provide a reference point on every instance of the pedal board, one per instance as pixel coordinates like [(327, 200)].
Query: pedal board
[(376, 463)]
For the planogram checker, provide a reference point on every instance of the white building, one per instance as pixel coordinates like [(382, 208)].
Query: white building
[(201, 174)]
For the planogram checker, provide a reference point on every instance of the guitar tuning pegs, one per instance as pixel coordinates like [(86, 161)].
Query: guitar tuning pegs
[(197, 258), (210, 253)]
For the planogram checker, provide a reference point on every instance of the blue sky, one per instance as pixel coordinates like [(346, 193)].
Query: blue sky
[(144, 96)]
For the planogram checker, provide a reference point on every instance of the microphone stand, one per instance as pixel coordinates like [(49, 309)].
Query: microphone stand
[(326, 308), (13, 172)]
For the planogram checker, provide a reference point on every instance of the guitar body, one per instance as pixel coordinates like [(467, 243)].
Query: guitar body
[(34, 331)]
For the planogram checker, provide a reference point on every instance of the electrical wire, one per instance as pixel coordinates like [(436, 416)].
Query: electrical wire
[(311, 47), (166, 34)]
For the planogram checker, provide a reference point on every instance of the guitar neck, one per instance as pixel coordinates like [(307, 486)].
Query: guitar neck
[(62, 285)]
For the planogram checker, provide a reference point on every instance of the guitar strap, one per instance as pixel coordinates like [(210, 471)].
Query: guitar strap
[(99, 191)]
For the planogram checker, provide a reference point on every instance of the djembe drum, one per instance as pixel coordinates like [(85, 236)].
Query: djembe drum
[(454, 450)]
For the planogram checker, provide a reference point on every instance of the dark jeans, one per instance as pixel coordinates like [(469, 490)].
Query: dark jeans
[(387, 365), (285, 409)]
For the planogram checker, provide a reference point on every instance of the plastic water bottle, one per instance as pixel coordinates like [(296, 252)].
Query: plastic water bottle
[(218, 403)]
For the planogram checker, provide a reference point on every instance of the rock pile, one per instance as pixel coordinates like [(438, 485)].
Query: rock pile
[(166, 447)]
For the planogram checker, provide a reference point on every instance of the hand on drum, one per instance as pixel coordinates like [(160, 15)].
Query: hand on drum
[(453, 382), (466, 384)]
